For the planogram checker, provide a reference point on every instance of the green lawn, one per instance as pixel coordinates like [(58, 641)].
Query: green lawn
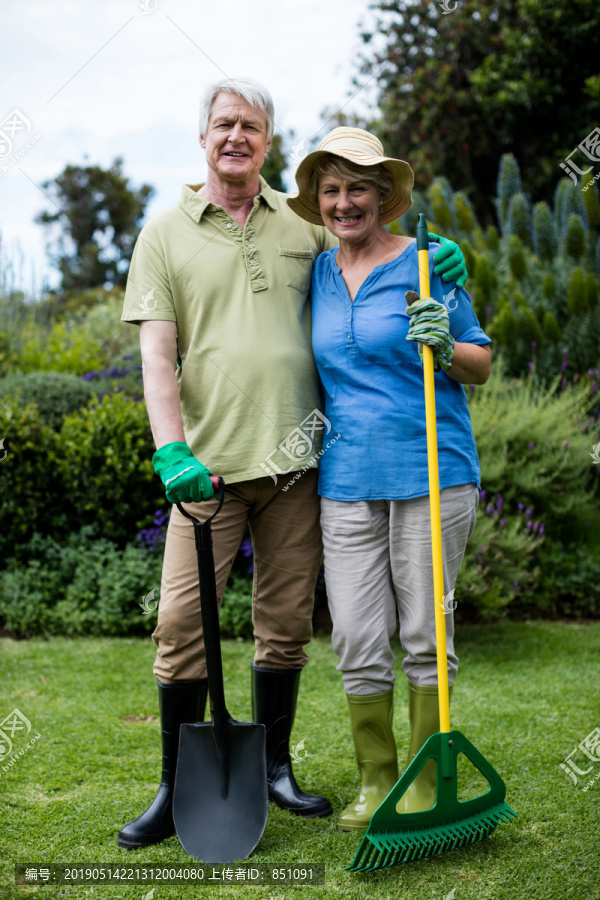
[(526, 696)]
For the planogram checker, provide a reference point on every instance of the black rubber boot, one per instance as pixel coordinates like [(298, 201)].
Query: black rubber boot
[(274, 697), (178, 703)]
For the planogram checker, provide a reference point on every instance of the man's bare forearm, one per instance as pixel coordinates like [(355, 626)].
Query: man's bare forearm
[(161, 392)]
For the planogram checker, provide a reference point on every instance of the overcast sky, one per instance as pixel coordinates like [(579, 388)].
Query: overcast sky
[(111, 78)]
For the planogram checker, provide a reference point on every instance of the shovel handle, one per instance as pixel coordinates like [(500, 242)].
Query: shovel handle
[(209, 609)]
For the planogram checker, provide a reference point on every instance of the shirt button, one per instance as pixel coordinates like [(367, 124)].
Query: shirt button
[(252, 262), (229, 224), (349, 335)]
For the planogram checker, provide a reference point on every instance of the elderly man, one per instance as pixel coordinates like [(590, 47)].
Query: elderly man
[(219, 286)]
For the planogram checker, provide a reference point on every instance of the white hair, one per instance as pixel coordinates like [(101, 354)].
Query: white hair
[(252, 91)]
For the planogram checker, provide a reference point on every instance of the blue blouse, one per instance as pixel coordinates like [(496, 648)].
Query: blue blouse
[(372, 380)]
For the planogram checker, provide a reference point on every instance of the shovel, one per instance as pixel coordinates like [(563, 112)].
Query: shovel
[(220, 801)]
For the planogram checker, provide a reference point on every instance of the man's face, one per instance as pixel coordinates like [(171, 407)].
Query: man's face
[(235, 139)]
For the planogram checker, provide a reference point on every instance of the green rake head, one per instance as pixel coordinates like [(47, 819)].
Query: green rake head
[(394, 837)]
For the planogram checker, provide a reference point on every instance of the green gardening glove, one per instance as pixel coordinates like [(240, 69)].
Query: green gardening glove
[(429, 324), (186, 479), (449, 260)]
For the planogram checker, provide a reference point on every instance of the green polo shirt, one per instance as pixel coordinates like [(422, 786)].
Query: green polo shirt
[(247, 380)]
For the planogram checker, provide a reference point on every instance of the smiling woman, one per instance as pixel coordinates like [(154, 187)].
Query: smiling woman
[(373, 483)]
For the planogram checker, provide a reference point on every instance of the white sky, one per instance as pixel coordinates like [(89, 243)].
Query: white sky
[(106, 79)]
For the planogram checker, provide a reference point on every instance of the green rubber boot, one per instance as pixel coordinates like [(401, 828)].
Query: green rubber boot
[(371, 724), (424, 714)]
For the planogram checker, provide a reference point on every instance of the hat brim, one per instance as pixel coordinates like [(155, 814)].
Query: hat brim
[(395, 205)]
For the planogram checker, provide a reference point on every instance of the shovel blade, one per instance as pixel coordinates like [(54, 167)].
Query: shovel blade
[(217, 819)]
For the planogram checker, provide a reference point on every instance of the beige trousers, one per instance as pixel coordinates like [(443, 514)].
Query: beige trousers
[(286, 537), (378, 569)]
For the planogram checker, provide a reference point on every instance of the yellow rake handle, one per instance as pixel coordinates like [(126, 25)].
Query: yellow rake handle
[(434, 506)]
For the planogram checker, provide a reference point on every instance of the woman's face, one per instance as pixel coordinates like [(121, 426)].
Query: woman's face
[(349, 207)]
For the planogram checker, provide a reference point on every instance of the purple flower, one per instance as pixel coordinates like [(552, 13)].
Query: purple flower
[(528, 513), (533, 345), (565, 445), (530, 367), (565, 352), (542, 526), (246, 548), (127, 356), (89, 376), (488, 311), (530, 445), (516, 585), (161, 518), (482, 495), (520, 507), (499, 503)]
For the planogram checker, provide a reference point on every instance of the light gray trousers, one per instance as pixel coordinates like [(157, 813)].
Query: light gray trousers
[(378, 563)]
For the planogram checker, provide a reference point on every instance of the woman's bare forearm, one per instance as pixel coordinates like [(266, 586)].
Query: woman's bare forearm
[(471, 363)]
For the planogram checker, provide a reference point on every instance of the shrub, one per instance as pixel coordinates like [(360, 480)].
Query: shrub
[(545, 238), (105, 465), (30, 496), (573, 237), (54, 393), (498, 568), (509, 184), (236, 610), (534, 449), (518, 219), (85, 585)]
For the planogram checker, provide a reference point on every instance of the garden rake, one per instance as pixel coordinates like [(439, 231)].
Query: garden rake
[(394, 837)]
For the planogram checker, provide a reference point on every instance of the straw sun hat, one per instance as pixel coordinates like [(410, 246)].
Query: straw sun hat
[(363, 149)]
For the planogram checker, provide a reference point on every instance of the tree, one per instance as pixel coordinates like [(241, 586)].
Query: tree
[(275, 164), (457, 90), (100, 218)]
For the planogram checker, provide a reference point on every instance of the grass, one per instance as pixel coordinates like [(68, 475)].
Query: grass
[(526, 696)]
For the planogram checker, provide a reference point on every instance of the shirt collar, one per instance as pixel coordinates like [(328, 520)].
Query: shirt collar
[(195, 205)]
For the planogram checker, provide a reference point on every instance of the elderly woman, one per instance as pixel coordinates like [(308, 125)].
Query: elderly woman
[(368, 325)]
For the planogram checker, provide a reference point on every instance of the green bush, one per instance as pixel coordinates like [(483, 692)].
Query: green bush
[(30, 497), (74, 343), (105, 466), (498, 568), (85, 585), (509, 184), (534, 446), (545, 238), (570, 579), (236, 610), (54, 393), (518, 219)]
